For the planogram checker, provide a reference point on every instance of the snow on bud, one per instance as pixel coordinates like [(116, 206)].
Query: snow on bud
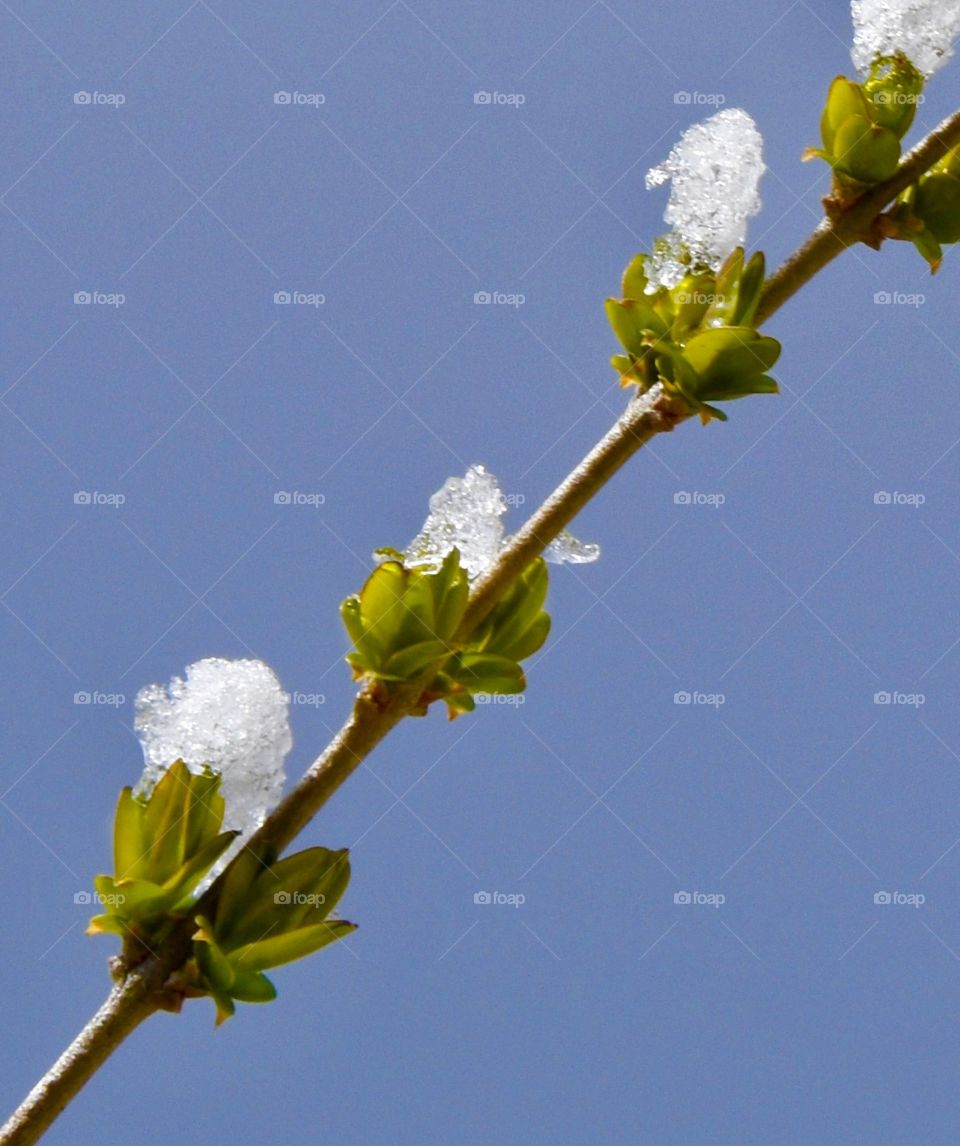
[(230, 714), (923, 30), (714, 174), (465, 514)]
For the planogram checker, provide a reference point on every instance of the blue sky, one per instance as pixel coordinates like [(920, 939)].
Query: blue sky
[(815, 564)]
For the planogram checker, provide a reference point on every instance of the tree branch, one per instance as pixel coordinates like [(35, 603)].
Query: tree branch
[(124, 1009), (135, 998)]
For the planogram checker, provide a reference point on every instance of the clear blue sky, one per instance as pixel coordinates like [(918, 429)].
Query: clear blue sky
[(798, 1010)]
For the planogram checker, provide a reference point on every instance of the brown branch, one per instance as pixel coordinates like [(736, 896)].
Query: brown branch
[(136, 998)]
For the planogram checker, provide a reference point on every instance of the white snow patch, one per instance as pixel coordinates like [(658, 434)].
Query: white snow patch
[(465, 514), (230, 714), (923, 30), (566, 549), (714, 173)]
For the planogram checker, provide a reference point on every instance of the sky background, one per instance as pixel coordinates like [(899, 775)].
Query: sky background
[(797, 1009)]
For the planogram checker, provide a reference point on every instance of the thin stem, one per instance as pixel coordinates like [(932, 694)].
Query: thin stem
[(135, 999), (124, 1009), (645, 417), (369, 724)]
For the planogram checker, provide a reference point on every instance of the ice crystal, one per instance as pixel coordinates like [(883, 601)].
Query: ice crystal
[(714, 174), (569, 550), (230, 714), (465, 514), (923, 30)]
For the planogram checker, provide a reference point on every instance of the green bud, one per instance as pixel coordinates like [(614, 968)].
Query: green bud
[(163, 845), (402, 619), (894, 88), (950, 164), (937, 204), (844, 99), (267, 915), (730, 360), (635, 323), (692, 298), (865, 151)]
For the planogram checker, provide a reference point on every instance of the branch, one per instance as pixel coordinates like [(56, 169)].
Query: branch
[(646, 416), (124, 1009), (135, 999)]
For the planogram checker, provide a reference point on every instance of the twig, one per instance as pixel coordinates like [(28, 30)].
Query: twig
[(134, 999)]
